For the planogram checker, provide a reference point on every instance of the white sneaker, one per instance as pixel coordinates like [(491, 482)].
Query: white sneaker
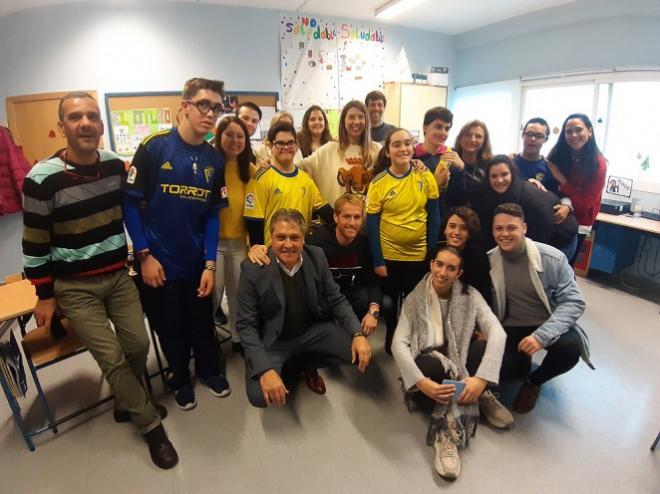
[(447, 461), (494, 412)]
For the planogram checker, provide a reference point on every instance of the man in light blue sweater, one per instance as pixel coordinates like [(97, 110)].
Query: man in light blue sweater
[(538, 302)]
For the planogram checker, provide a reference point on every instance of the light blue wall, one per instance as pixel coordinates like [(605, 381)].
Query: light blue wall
[(139, 48), (580, 35)]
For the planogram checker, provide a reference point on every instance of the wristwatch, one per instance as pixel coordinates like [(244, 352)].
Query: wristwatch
[(359, 333), (374, 313)]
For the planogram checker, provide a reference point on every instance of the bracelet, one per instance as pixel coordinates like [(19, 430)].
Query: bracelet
[(359, 333), (142, 254), (210, 267)]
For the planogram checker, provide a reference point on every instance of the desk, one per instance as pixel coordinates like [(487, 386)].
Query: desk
[(617, 240), (16, 300)]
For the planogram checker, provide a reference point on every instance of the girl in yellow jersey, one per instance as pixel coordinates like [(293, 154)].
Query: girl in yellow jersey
[(232, 141), (403, 219)]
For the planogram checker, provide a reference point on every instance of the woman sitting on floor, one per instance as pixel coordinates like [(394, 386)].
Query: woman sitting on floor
[(433, 342)]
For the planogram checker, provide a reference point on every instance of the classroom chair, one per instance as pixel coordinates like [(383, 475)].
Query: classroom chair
[(42, 349)]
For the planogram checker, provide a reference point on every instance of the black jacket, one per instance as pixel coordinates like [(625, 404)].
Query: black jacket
[(538, 207)]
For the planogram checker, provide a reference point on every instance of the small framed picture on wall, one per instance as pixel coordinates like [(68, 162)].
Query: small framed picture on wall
[(619, 186)]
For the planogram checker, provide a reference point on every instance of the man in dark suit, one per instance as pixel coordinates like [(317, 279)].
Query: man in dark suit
[(289, 307)]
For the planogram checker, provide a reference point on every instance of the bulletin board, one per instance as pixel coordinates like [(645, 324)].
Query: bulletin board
[(132, 115)]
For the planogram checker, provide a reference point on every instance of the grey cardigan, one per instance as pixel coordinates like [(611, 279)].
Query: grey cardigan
[(467, 311)]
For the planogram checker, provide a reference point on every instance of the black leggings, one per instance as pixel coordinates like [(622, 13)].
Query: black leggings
[(562, 356), (432, 368), (402, 278)]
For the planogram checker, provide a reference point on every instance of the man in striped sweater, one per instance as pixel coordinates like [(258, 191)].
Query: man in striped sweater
[(74, 250)]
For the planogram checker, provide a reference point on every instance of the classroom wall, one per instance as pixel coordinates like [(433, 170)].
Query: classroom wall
[(584, 34), (125, 48)]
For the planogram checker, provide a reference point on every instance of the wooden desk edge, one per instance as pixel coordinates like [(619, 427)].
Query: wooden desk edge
[(641, 224)]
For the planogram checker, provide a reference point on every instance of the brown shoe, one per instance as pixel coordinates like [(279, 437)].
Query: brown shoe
[(314, 381), (525, 400)]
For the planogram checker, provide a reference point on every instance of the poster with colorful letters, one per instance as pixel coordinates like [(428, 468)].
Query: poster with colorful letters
[(308, 62), (361, 53), (328, 63)]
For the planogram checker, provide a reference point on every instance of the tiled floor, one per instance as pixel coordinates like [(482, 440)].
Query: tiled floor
[(590, 432)]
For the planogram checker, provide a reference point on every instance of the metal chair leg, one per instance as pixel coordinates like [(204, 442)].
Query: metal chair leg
[(655, 443), (40, 392), (147, 382), (16, 412)]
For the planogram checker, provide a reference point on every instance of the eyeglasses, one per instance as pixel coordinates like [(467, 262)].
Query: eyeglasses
[(280, 145), (534, 135), (204, 106)]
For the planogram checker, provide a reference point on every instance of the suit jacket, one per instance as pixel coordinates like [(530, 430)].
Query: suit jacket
[(261, 304)]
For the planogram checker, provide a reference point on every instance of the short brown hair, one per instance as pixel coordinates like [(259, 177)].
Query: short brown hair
[(287, 215), (469, 216), (375, 95), (192, 86), (347, 198), (72, 95), (510, 208)]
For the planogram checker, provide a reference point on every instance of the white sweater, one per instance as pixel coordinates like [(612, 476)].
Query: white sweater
[(335, 175)]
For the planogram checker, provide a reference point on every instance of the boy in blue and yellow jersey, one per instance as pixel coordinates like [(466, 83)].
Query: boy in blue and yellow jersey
[(75, 253), (173, 192), (281, 185)]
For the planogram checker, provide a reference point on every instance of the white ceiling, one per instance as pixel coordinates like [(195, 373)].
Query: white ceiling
[(443, 16)]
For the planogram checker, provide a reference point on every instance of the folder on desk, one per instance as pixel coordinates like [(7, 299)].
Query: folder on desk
[(11, 365)]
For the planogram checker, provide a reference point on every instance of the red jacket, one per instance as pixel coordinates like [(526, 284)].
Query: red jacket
[(13, 169), (586, 193)]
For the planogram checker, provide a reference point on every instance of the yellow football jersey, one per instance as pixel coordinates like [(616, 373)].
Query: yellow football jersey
[(401, 202), (270, 189)]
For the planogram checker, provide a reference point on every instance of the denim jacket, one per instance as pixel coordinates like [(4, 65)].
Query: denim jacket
[(554, 282)]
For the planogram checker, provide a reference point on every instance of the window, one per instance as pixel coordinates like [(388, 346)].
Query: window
[(554, 104), (632, 144), (497, 105)]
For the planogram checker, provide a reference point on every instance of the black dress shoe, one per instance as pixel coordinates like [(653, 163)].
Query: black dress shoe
[(161, 449), (123, 416)]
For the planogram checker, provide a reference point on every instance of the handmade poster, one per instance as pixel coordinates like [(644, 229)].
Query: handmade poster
[(130, 127), (328, 63), (308, 62), (361, 52)]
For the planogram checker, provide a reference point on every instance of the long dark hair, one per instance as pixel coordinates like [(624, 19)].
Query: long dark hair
[(561, 155), (453, 250), (383, 161), (246, 157), (501, 159), (305, 136)]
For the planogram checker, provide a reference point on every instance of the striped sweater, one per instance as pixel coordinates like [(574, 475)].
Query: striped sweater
[(72, 220)]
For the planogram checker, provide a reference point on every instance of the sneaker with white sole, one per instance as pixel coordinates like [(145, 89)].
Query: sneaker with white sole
[(185, 397), (494, 412), (447, 461), (218, 385)]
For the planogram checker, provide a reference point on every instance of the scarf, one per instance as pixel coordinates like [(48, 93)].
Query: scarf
[(466, 417)]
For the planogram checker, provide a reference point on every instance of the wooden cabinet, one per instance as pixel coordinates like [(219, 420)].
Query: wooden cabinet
[(407, 103)]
